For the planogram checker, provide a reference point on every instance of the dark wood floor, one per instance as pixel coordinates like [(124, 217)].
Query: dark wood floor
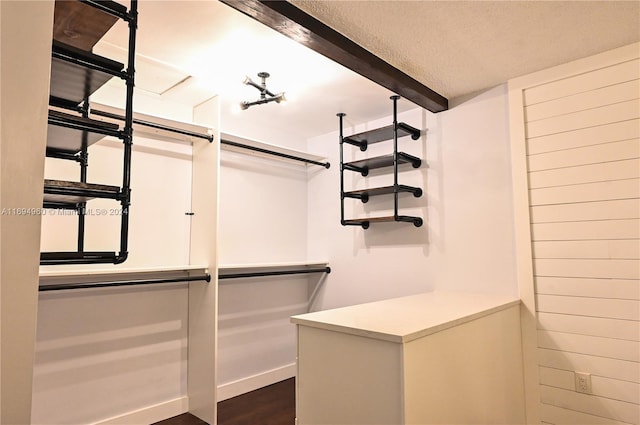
[(272, 405)]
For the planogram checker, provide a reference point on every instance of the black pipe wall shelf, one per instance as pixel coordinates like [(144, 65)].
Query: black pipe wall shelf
[(364, 165), (67, 192), (395, 159), (365, 194), (76, 73), (366, 138), (69, 133)]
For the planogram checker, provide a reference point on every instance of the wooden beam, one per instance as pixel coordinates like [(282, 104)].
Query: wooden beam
[(298, 25)]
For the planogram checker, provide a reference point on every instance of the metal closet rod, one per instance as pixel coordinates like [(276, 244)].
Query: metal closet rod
[(205, 277), (274, 273), (208, 137), (274, 153)]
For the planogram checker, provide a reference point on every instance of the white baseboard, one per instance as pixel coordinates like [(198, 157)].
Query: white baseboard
[(241, 386), (150, 414), (179, 406)]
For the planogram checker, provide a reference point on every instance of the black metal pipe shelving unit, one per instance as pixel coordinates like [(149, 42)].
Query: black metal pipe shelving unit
[(362, 141), (76, 73)]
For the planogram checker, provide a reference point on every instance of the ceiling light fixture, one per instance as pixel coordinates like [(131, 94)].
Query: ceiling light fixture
[(264, 92)]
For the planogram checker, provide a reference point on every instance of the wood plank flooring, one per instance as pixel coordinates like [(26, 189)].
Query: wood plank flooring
[(271, 405)]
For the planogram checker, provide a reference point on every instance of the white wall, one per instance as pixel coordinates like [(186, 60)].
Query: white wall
[(275, 211), (466, 243), (105, 352), (25, 59), (263, 219)]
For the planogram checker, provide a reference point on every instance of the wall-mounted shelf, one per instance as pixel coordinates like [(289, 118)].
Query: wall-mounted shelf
[(363, 166), (61, 191), (240, 144), (377, 135), (82, 26), (271, 269), (55, 281), (76, 73), (69, 133), (365, 194), (366, 222), (156, 127)]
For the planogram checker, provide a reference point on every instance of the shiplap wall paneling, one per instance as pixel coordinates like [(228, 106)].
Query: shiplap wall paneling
[(627, 249), (627, 330), (621, 370), (592, 288), (596, 210), (581, 83), (583, 157), (606, 133)]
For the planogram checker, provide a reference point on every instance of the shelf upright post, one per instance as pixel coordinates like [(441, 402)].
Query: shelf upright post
[(127, 138), (84, 162), (395, 156), (341, 115)]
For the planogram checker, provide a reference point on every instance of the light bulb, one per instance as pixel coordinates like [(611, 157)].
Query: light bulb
[(281, 99)]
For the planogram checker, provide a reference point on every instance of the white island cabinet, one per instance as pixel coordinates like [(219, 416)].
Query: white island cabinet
[(432, 358)]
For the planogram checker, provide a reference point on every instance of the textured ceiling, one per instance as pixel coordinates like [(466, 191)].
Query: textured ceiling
[(460, 47), (191, 50)]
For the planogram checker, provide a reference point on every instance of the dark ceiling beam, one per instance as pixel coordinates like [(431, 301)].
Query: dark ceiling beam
[(298, 25)]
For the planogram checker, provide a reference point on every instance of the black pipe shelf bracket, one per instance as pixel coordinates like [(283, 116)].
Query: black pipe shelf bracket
[(264, 150), (76, 73), (363, 166)]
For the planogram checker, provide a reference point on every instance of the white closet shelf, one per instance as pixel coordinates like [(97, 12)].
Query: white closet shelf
[(164, 128), (80, 279), (234, 139), (269, 269)]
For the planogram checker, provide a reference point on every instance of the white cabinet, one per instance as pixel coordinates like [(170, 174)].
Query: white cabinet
[(431, 358)]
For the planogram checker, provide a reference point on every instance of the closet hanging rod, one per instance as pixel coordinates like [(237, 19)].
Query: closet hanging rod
[(270, 152), (54, 287), (274, 273), (208, 137)]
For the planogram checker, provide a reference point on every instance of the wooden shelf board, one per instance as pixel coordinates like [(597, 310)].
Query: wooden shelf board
[(381, 134), (74, 82), (374, 191), (76, 192), (385, 161), (81, 25), (382, 219), (69, 139)]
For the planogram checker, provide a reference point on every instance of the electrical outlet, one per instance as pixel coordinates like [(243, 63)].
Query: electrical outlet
[(583, 382)]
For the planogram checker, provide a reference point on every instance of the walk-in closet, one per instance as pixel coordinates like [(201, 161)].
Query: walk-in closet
[(220, 208), (221, 245)]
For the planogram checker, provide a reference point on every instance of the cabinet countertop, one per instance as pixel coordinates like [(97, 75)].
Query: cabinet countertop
[(407, 318)]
